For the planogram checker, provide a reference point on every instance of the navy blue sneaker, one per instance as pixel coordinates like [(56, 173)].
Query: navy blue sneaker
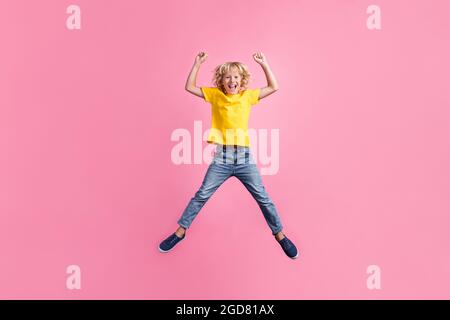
[(169, 243), (288, 248)]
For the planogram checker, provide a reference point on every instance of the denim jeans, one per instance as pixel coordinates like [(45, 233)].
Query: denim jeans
[(228, 161)]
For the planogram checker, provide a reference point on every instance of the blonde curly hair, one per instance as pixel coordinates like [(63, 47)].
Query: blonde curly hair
[(220, 71)]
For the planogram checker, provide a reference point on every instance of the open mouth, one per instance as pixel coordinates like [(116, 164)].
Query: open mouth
[(232, 87)]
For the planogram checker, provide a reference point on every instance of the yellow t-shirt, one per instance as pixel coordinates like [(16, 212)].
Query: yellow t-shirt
[(230, 114)]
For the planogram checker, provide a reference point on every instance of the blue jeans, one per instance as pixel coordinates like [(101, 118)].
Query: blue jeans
[(231, 161)]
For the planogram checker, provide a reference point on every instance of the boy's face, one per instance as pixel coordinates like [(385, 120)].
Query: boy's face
[(232, 81)]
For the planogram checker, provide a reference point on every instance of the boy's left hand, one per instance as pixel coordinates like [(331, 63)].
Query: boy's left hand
[(260, 58)]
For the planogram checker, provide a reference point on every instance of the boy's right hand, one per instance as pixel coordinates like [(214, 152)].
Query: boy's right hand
[(201, 57)]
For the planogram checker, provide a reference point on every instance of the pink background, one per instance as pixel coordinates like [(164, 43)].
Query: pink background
[(86, 175)]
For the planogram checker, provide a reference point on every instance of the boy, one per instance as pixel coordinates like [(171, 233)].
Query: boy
[(231, 103)]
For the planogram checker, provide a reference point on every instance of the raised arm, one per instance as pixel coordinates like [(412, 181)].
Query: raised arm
[(190, 83), (272, 84)]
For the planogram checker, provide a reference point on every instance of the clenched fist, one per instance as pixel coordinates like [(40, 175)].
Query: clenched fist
[(201, 57), (260, 58)]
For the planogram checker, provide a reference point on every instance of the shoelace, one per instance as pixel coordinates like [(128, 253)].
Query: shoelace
[(174, 239), (285, 243)]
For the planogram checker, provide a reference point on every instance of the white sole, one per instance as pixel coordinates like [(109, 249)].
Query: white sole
[(165, 251)]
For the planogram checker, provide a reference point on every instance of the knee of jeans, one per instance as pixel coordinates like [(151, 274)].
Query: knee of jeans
[(262, 197), (202, 194), (265, 200)]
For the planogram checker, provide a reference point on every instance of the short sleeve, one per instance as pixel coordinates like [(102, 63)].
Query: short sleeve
[(209, 94), (253, 96)]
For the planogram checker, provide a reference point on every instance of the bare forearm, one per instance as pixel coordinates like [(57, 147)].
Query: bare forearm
[(271, 80), (192, 78)]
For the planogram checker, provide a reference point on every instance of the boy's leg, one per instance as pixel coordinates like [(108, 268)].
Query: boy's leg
[(216, 175), (249, 175)]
